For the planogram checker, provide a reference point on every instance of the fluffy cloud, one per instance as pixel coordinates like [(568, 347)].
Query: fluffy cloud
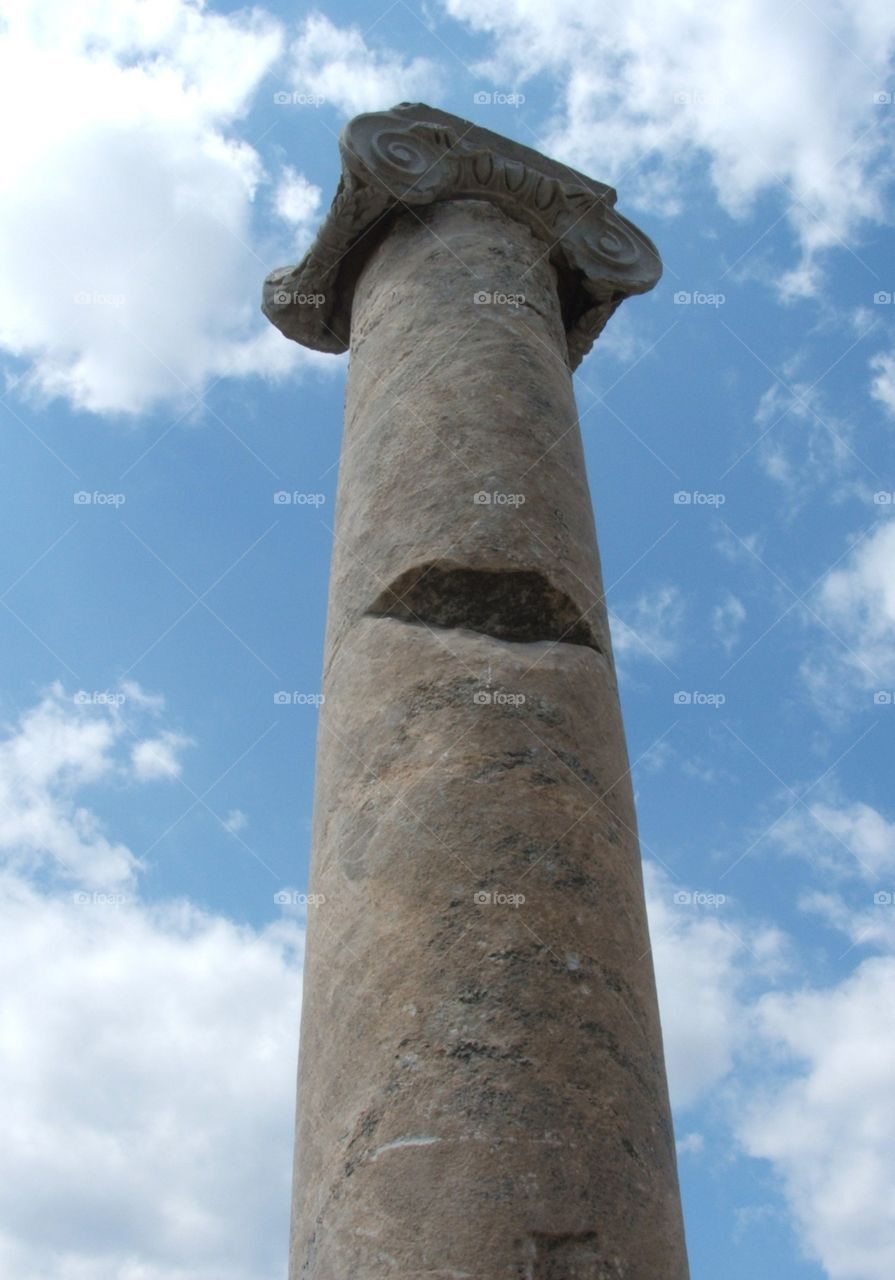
[(148, 1090), (864, 831), (335, 65), (158, 757), (818, 1106), (727, 620), (841, 839), (651, 626), (57, 747), (801, 443), (704, 963), (61, 745), (148, 1049), (126, 196), (871, 923), (858, 603), (882, 386), (296, 200), (647, 90), (828, 1126), (235, 821)]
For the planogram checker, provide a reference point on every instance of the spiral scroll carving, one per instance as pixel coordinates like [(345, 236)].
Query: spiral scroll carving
[(413, 155)]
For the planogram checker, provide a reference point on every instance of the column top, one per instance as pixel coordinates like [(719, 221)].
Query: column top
[(412, 155)]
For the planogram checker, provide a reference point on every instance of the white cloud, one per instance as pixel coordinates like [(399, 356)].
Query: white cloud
[(296, 200), (727, 620), (871, 923), (157, 757), (648, 89), (236, 821), (818, 1103), (691, 1144), (801, 442), (153, 702), (128, 197), (148, 1049), (336, 64), (703, 963), (651, 626), (858, 603), (865, 832), (149, 1063), (844, 839), (57, 747), (828, 1125), (625, 340), (882, 387)]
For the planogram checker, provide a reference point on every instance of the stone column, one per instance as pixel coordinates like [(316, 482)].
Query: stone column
[(482, 1089)]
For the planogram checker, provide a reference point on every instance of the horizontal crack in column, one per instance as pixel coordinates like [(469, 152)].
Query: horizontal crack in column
[(509, 604)]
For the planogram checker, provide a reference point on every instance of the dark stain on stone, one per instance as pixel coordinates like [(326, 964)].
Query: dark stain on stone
[(631, 1150), (360, 1139), (513, 955), (472, 1050), (566, 1256), (581, 885), (609, 1042), (571, 761), (472, 995), (503, 764), (434, 695), (544, 780)]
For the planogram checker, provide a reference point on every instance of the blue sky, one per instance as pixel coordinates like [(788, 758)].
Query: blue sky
[(738, 431)]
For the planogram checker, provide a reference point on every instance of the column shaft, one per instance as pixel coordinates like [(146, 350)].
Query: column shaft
[(481, 1086)]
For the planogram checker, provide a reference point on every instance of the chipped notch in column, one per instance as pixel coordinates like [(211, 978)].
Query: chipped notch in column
[(509, 604)]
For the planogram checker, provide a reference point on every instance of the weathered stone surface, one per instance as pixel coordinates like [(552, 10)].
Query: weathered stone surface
[(482, 1089), (412, 156)]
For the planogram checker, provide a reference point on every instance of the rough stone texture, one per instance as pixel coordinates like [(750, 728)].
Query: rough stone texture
[(482, 1089)]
